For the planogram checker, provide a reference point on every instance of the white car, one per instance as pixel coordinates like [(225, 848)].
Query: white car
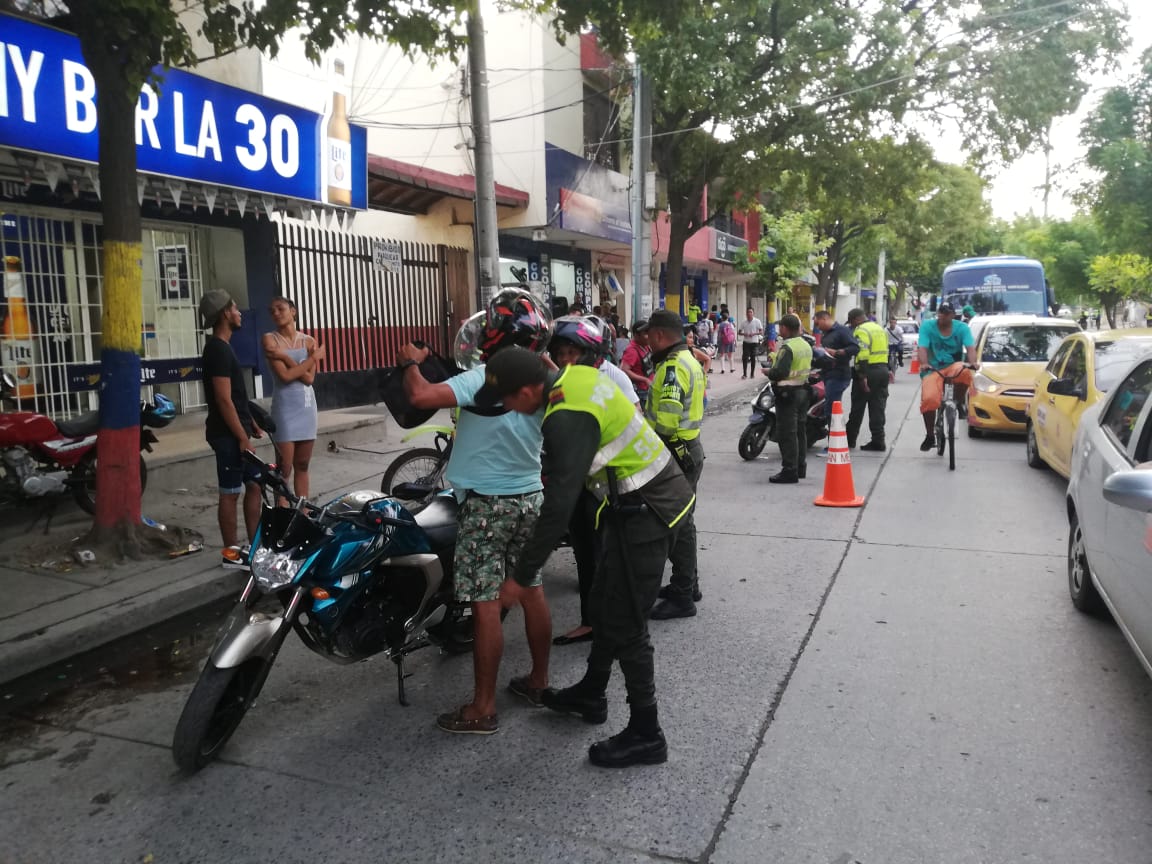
[(911, 334), (1109, 502)]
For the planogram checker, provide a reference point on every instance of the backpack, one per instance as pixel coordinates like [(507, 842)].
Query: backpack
[(727, 333)]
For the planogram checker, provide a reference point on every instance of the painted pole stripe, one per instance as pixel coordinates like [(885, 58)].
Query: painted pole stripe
[(119, 389)]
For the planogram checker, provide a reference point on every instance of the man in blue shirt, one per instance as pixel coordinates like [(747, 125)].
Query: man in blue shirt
[(495, 466), (942, 346), (839, 344)]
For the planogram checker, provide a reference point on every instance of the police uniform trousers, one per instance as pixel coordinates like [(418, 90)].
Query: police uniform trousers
[(791, 426), (683, 555), (874, 396), (622, 593), (585, 543)]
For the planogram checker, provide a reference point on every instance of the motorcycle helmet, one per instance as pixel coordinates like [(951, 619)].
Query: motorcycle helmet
[(587, 334), (516, 316), (159, 412), (466, 349)]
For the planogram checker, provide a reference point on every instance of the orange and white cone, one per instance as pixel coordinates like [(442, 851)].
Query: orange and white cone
[(839, 490), (914, 369)]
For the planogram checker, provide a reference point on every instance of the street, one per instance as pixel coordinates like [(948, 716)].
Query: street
[(905, 682)]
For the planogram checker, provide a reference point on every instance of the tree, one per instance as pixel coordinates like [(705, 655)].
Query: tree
[(1065, 248), (784, 77), (789, 249), (1115, 278), (124, 42)]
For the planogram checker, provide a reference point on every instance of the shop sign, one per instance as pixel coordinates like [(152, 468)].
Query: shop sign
[(172, 266), (726, 246), (386, 256), (86, 376), (588, 215), (187, 127)]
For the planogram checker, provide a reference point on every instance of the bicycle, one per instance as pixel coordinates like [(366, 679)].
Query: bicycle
[(946, 416)]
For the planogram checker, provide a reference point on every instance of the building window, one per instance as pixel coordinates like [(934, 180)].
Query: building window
[(601, 129)]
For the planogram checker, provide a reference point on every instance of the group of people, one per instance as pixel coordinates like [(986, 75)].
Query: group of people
[(293, 358)]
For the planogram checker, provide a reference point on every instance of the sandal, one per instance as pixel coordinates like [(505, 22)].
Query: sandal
[(455, 721)]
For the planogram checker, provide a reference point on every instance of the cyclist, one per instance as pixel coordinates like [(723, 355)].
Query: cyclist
[(495, 467), (942, 347)]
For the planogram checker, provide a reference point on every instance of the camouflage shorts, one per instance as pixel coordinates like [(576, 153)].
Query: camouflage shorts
[(492, 532)]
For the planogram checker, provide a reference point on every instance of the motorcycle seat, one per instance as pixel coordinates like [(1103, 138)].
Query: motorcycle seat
[(439, 521), (86, 424)]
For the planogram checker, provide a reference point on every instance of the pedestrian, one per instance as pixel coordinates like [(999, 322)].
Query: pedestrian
[(726, 337), (1148, 317), (869, 381), (594, 440), (577, 308), (636, 361), (895, 345), (293, 357), (694, 311), (1096, 320), (495, 469), (701, 355), (789, 377), (703, 332), (675, 409), (1083, 321), (576, 341), (770, 336), (751, 332), (229, 427), (840, 346)]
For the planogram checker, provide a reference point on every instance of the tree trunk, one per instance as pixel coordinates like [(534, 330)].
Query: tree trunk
[(677, 237), (118, 445)]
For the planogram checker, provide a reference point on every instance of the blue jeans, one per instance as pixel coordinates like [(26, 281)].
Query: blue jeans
[(834, 392)]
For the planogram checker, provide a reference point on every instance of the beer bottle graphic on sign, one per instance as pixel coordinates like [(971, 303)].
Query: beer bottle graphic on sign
[(338, 152), (16, 343)]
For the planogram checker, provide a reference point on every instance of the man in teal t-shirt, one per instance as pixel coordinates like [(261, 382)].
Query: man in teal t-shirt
[(942, 344)]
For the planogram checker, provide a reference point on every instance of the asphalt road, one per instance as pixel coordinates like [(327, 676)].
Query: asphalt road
[(905, 682)]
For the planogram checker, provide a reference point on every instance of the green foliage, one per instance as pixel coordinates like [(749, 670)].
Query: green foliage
[(1065, 248), (1119, 277), (797, 246)]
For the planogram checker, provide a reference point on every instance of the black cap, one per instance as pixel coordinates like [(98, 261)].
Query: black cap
[(946, 307), (665, 319), (507, 372)]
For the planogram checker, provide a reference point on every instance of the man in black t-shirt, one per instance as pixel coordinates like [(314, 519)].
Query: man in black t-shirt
[(229, 427)]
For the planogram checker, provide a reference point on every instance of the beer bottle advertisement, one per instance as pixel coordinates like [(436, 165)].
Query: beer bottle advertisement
[(17, 345), (338, 145)]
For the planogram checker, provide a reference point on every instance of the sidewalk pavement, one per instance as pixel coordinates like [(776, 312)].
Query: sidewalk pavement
[(56, 608)]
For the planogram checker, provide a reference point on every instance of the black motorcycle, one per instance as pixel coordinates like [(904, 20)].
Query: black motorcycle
[(761, 426)]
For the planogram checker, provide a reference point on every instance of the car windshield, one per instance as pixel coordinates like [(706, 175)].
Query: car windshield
[(910, 327), (1113, 358), (997, 289), (1023, 343)]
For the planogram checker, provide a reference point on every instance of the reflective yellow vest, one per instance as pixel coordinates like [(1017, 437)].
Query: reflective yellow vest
[(675, 404), (627, 443), (873, 341), (801, 363)]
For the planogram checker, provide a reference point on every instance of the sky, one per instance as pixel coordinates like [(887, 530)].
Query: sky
[(1015, 190)]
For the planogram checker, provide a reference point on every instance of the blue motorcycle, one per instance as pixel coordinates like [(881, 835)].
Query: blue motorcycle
[(361, 575)]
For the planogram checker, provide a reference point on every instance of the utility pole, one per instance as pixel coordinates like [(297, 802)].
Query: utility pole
[(641, 147), (881, 288), (487, 229)]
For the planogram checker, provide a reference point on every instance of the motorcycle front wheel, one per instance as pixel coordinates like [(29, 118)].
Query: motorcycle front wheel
[(214, 710), (754, 437), (84, 481), (423, 466)]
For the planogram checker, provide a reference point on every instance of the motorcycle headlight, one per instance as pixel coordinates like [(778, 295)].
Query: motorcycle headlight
[(984, 384), (272, 569)]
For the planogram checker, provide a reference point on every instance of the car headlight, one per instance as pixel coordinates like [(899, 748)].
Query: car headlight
[(984, 384), (272, 569)]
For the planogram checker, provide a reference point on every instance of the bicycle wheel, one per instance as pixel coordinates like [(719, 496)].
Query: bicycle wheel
[(950, 423), (423, 466)]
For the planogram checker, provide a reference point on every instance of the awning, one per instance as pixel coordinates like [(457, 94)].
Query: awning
[(411, 189)]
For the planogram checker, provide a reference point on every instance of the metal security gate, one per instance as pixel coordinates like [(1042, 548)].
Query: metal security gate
[(362, 314)]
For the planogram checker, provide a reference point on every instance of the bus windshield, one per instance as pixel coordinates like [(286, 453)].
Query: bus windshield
[(997, 288)]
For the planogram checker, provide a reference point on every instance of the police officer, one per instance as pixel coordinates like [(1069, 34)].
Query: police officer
[(789, 374), (870, 381), (595, 439), (675, 408)]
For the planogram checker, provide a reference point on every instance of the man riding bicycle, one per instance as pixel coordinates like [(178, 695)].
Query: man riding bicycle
[(942, 347)]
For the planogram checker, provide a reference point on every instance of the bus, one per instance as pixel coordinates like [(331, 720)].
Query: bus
[(1003, 283)]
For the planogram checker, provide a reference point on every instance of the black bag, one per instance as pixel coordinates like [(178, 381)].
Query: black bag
[(435, 369)]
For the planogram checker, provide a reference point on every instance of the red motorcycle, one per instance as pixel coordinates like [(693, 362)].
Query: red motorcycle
[(40, 457)]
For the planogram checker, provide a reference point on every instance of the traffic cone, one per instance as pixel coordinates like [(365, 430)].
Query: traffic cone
[(838, 488), (914, 369)]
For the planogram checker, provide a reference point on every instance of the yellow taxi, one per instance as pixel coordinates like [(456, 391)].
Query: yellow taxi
[(1084, 368), (1012, 350)]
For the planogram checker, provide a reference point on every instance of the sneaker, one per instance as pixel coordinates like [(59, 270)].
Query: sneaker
[(928, 443), (824, 452), (235, 558)]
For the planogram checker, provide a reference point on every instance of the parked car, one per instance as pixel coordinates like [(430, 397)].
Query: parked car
[(1109, 502), (1013, 350), (1084, 368), (911, 334)]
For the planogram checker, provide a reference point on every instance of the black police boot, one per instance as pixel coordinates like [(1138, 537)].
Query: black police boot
[(578, 700), (802, 471), (641, 743), (666, 592), (788, 475), (874, 446), (676, 606)]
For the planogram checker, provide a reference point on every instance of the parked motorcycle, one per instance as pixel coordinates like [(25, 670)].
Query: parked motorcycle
[(40, 457), (361, 575), (761, 426)]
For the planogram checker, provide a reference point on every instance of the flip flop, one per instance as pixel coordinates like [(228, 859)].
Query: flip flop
[(572, 640)]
